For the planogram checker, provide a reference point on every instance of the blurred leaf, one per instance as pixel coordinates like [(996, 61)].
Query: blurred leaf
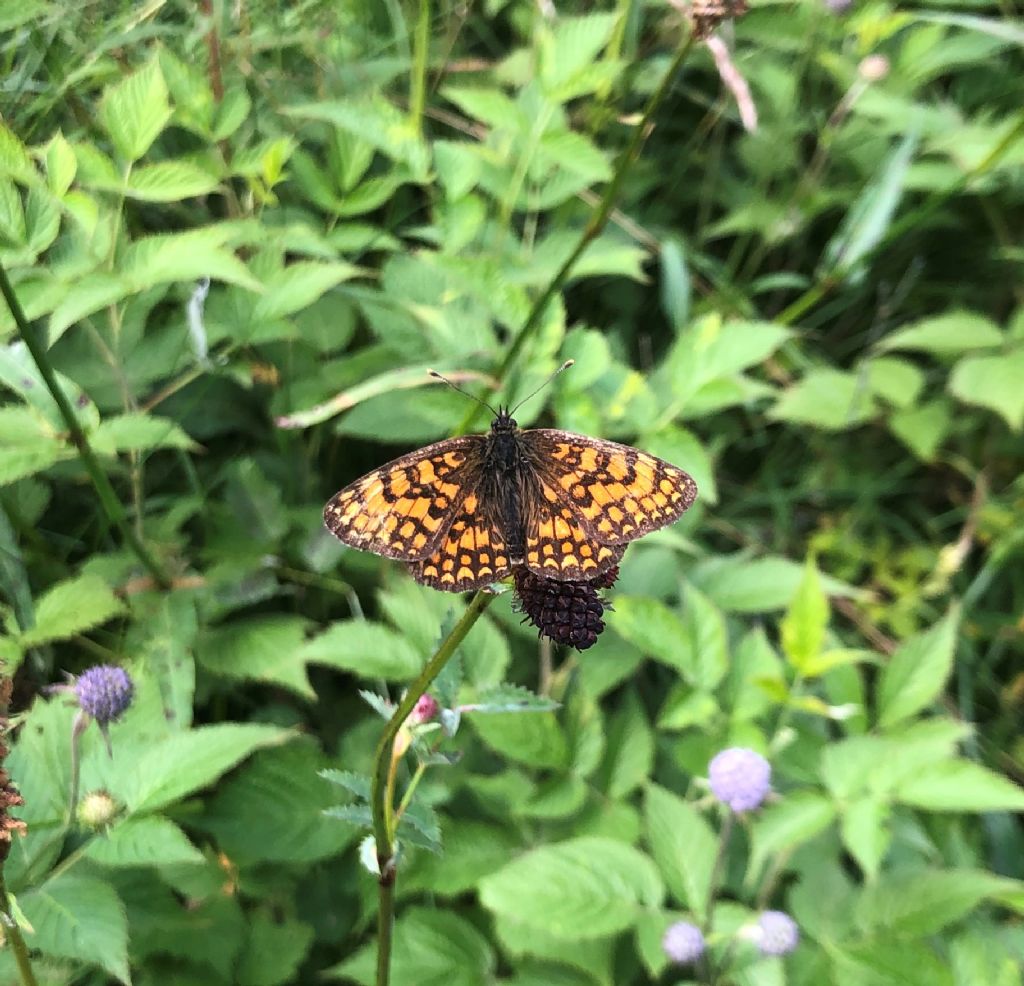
[(72, 607), (79, 917), (511, 698), (960, 785), (924, 902), (368, 649), (826, 398), (895, 380), (924, 428), (185, 762), (629, 754), (431, 948), (149, 841), (866, 223), (169, 181), (675, 283), (683, 845), (536, 740), (992, 382), (651, 626), (273, 951), (916, 674), (950, 333), (260, 648), (806, 620), (299, 285), (137, 432), (790, 823), (866, 833), (135, 110), (578, 890)]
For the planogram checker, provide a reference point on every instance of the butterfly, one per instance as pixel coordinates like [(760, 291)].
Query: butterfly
[(469, 511)]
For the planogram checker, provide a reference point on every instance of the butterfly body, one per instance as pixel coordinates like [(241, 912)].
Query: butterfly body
[(468, 511)]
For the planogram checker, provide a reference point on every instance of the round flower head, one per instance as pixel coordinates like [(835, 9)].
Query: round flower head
[(778, 933), (683, 942), (740, 778), (104, 692)]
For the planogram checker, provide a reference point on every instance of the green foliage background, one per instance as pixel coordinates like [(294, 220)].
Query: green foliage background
[(822, 320)]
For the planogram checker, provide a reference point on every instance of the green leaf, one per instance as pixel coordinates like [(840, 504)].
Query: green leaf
[(271, 809), (829, 399), (367, 649), (299, 285), (357, 784), (138, 432), (78, 917), (135, 111), (741, 584), (149, 841), (649, 625), (190, 256), (19, 372), (185, 762), (703, 654), (683, 845), (866, 223), (916, 674), (578, 890), (923, 428), (630, 749), (89, 293), (993, 382), (536, 740), (72, 607), (169, 181), (431, 948), (675, 283), (260, 648), (17, 463), (866, 832), (511, 698), (805, 622), (895, 380), (919, 903), (950, 333), (273, 951), (572, 47), (788, 824), (960, 785), (379, 124), (14, 159)]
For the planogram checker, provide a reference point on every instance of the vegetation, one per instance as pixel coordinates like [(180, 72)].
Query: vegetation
[(784, 253)]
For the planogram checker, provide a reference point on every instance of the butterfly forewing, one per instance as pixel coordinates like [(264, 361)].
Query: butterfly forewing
[(612, 493), (404, 509)]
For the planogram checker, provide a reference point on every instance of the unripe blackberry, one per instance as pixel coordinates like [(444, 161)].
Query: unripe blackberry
[(104, 692), (567, 612), (606, 579)]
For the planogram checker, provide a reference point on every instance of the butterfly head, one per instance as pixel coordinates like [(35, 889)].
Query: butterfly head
[(504, 423)]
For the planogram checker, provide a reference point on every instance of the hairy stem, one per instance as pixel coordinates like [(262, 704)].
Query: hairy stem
[(112, 506), (380, 800)]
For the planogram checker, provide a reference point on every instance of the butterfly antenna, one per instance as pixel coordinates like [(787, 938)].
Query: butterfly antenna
[(564, 366), (466, 393)]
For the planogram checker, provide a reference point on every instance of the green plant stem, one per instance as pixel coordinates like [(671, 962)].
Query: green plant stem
[(716, 874), (597, 222), (112, 506), (382, 810), (418, 80), (15, 939)]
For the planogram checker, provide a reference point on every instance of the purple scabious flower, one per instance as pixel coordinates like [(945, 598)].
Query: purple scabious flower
[(104, 692), (740, 778), (683, 942), (777, 933)]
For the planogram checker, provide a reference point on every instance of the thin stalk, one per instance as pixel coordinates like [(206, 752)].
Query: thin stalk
[(380, 802), (418, 80), (712, 973), (15, 939), (112, 506), (597, 222)]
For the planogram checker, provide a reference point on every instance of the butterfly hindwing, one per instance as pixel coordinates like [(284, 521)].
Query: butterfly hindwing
[(606, 492), (404, 509), (471, 555)]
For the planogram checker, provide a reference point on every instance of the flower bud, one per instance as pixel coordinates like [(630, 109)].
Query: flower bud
[(96, 810)]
